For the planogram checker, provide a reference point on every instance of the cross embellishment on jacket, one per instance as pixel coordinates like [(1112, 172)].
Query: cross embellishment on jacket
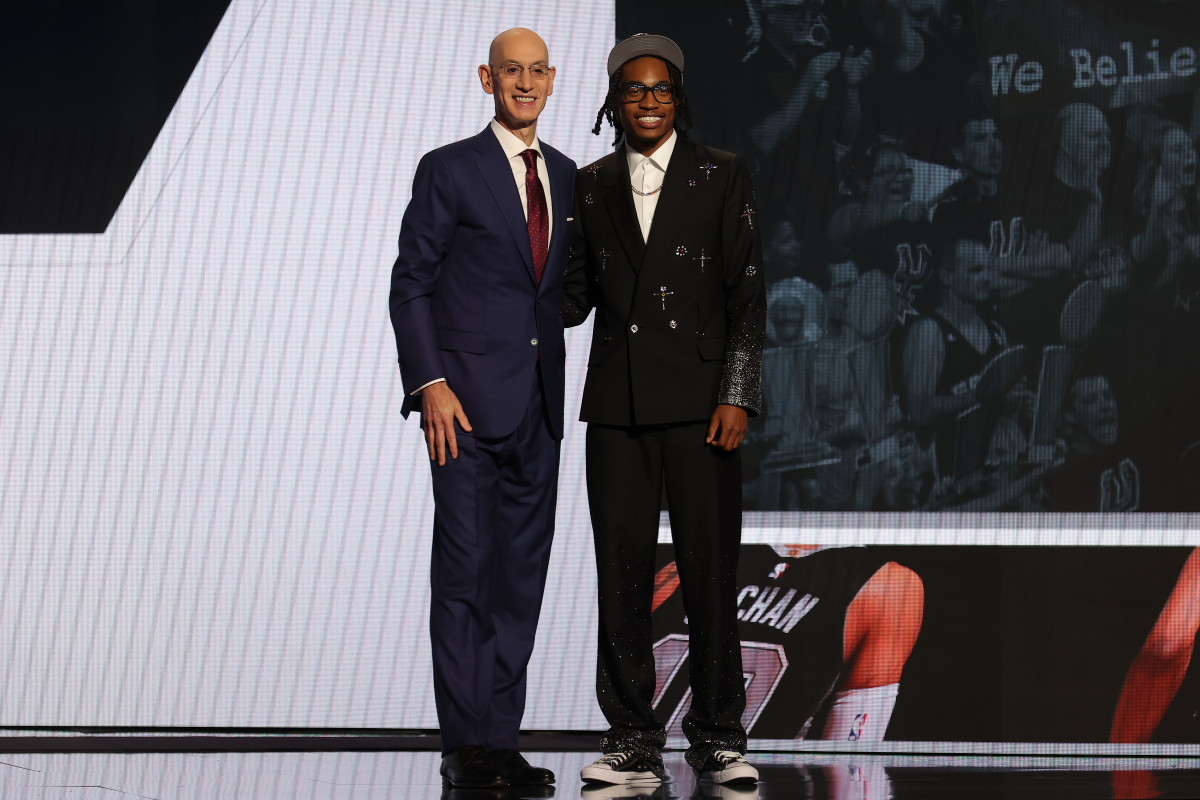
[(708, 167), (604, 254), (748, 215), (702, 258), (662, 294)]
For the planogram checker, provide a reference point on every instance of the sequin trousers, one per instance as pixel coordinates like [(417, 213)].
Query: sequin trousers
[(627, 471)]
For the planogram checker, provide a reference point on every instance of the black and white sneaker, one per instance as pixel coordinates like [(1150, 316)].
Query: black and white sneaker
[(622, 768), (726, 766)]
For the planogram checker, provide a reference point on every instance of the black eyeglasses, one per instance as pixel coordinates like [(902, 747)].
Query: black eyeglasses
[(634, 92)]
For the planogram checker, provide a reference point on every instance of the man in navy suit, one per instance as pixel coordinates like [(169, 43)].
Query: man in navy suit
[(475, 305)]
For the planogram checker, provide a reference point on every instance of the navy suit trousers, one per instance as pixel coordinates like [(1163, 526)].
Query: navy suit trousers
[(493, 525)]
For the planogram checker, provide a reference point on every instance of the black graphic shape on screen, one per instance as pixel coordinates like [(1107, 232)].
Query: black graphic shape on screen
[(88, 88)]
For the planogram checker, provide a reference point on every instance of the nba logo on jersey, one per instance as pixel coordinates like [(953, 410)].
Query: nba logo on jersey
[(779, 570), (860, 722)]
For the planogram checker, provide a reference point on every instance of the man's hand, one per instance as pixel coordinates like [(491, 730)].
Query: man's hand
[(439, 409), (727, 427)]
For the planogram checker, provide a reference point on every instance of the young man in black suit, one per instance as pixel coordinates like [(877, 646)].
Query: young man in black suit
[(668, 252)]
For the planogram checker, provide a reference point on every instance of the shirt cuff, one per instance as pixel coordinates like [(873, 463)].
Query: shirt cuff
[(419, 389)]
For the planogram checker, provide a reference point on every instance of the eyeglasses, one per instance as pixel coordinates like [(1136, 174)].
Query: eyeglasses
[(513, 70), (634, 92)]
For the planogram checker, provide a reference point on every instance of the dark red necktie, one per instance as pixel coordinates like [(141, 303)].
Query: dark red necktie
[(538, 221)]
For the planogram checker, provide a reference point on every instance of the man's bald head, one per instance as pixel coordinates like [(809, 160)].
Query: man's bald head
[(519, 38)]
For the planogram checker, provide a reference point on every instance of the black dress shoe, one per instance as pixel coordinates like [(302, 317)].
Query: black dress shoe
[(516, 771), (469, 766)]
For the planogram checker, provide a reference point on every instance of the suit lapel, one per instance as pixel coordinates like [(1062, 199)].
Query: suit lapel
[(618, 199), (498, 176), (675, 200)]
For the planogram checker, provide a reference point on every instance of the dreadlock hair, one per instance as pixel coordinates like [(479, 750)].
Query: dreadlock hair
[(611, 110)]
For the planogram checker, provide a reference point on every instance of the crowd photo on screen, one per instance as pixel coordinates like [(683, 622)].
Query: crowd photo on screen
[(982, 231)]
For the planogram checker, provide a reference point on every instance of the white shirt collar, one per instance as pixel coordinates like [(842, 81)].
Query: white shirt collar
[(659, 158), (513, 145)]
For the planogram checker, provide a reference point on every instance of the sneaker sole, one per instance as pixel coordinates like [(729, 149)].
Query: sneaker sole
[(614, 778)]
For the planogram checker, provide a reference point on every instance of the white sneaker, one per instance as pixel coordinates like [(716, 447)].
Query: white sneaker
[(726, 766), (622, 768)]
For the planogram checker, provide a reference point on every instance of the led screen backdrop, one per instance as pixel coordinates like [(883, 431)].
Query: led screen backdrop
[(214, 516)]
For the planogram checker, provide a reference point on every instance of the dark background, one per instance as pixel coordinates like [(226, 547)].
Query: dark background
[(87, 89)]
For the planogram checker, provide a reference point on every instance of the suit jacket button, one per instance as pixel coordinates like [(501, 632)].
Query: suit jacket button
[(633, 328), (533, 342)]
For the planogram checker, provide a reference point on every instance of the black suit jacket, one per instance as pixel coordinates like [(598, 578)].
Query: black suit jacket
[(680, 319)]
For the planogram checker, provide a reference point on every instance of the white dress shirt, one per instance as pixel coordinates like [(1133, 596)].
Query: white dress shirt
[(646, 174)]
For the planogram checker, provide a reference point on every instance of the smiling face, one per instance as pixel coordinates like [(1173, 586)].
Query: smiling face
[(647, 122), (787, 320), (519, 100)]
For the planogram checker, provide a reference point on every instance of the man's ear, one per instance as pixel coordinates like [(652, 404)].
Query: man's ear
[(485, 78)]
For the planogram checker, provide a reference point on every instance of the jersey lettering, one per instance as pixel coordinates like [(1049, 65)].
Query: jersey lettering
[(912, 263), (1010, 242)]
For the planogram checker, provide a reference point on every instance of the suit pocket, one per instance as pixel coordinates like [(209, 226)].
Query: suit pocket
[(465, 341), (711, 349)]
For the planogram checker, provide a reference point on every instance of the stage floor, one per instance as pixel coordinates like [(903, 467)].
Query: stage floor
[(413, 776)]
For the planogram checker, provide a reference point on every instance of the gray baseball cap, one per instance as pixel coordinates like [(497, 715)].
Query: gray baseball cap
[(645, 44)]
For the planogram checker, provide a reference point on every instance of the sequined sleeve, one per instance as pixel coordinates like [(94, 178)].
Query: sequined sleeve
[(745, 295)]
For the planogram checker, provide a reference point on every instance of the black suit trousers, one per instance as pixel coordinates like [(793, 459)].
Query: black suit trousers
[(627, 469)]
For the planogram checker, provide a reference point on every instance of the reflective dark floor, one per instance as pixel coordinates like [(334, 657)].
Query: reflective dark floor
[(805, 776), (378, 775)]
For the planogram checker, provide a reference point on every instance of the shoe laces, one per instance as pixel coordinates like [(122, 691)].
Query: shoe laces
[(727, 757), (615, 759)]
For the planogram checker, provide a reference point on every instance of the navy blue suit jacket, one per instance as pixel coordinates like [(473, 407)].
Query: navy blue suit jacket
[(464, 301)]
